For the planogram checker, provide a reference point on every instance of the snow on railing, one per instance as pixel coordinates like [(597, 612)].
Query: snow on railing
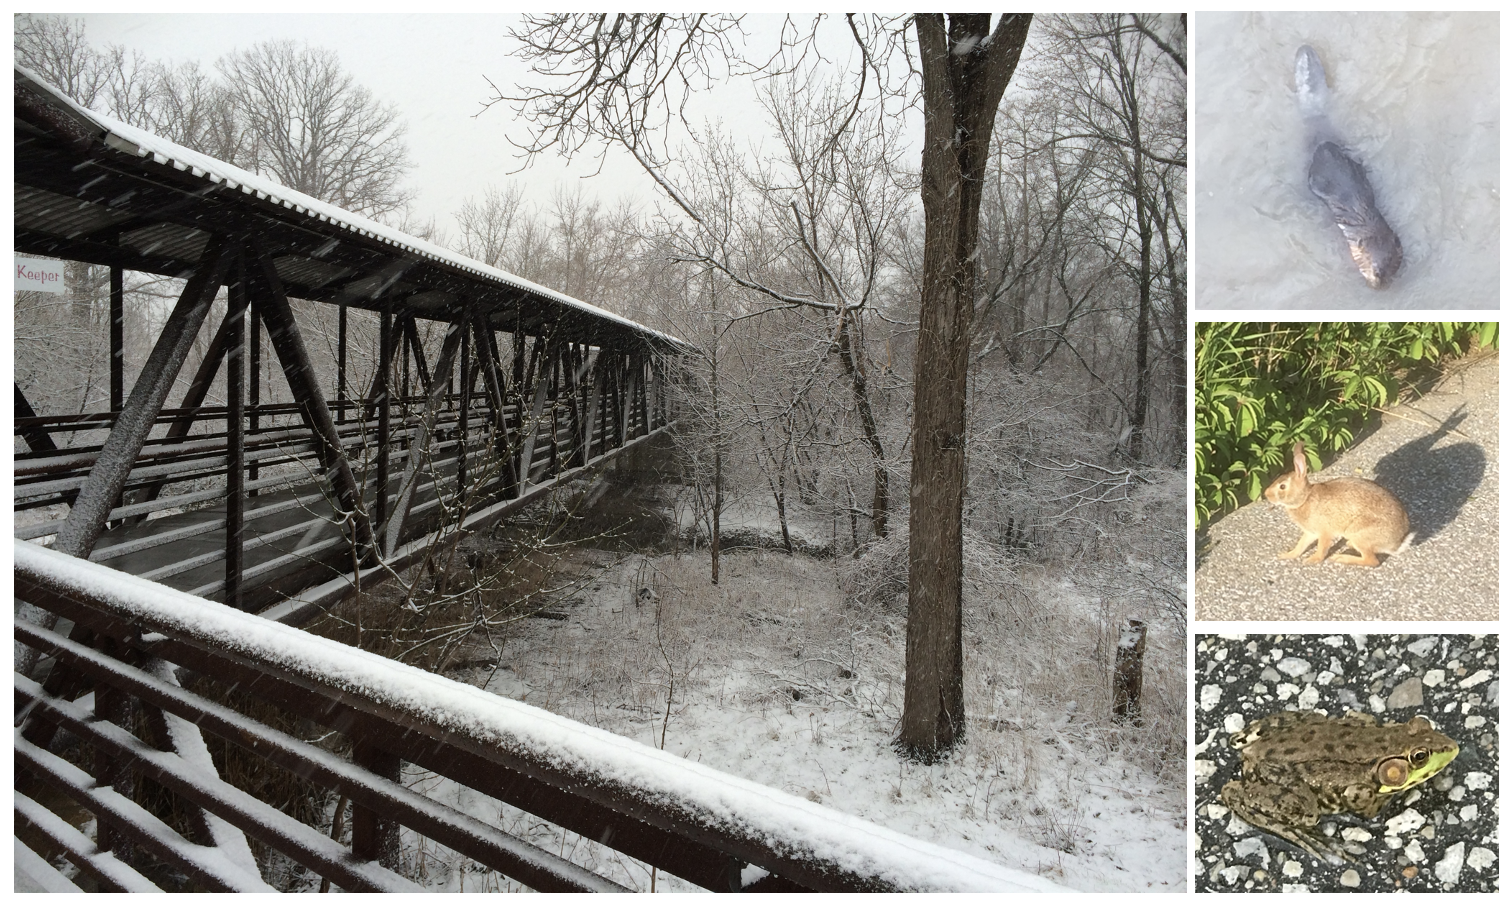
[(417, 715)]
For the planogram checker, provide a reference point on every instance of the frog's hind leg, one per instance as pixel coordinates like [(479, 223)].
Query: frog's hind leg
[(1287, 812)]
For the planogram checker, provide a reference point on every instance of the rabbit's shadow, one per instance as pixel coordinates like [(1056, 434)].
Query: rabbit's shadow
[(1434, 482)]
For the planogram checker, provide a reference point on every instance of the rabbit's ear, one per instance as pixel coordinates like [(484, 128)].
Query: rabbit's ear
[(1300, 458)]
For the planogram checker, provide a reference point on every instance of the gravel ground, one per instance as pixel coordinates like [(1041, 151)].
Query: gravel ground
[(1441, 836), (1440, 455)]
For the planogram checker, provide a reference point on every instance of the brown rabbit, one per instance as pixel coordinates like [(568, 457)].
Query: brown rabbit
[(1366, 515)]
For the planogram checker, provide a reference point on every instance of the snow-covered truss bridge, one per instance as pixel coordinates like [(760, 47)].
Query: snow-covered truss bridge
[(164, 554), (254, 503)]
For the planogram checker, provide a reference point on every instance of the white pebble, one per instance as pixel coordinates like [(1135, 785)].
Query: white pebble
[(1450, 866), (1476, 678), (1211, 695), (1407, 821), (1422, 646), (1293, 666)]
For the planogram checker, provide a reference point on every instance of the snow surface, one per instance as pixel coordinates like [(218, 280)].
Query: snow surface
[(796, 826), (77, 842), (1032, 788), (33, 874), (132, 140)]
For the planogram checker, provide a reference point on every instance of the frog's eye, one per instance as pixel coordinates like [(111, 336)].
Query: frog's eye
[(1419, 756)]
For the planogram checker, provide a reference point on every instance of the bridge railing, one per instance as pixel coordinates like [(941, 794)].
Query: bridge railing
[(142, 662)]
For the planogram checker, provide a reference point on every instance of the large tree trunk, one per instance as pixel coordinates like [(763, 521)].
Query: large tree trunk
[(965, 71)]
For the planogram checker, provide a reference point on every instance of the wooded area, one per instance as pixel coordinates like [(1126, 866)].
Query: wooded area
[(1041, 419)]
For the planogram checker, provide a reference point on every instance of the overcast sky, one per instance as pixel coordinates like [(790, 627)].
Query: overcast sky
[(434, 69)]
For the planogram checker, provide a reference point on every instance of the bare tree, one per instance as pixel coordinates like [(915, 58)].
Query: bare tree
[(313, 128), (1126, 80), (56, 49), (490, 226), (626, 77), (966, 67)]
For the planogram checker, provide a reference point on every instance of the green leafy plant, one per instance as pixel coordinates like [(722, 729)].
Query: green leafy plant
[(1261, 386)]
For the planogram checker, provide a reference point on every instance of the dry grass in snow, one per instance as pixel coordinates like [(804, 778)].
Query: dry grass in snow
[(773, 676)]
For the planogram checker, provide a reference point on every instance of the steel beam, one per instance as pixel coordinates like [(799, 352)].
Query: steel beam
[(254, 388), (235, 426), (87, 517), (411, 330), (393, 531), (194, 397), (341, 365), (117, 338), (540, 365), (594, 402), (384, 413), (492, 372), (303, 383), (464, 378), (37, 438)]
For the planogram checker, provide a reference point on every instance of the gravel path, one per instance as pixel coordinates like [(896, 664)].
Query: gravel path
[(1440, 455), (1438, 837)]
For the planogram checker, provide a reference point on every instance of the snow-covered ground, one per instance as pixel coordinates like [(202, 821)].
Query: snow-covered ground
[(773, 677)]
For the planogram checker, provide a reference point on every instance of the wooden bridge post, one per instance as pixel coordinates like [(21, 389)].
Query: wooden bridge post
[(1127, 674), (372, 837)]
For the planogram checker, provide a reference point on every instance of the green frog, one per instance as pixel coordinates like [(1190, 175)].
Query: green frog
[(1298, 766)]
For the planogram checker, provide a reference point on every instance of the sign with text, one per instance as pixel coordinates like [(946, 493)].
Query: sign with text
[(36, 275)]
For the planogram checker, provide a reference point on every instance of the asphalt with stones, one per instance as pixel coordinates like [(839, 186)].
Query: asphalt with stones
[(1441, 836), (1440, 455)]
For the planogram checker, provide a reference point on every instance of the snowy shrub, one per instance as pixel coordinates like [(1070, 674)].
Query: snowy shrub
[(877, 579)]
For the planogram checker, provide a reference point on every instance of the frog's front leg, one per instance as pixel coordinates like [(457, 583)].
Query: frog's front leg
[(1289, 812)]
